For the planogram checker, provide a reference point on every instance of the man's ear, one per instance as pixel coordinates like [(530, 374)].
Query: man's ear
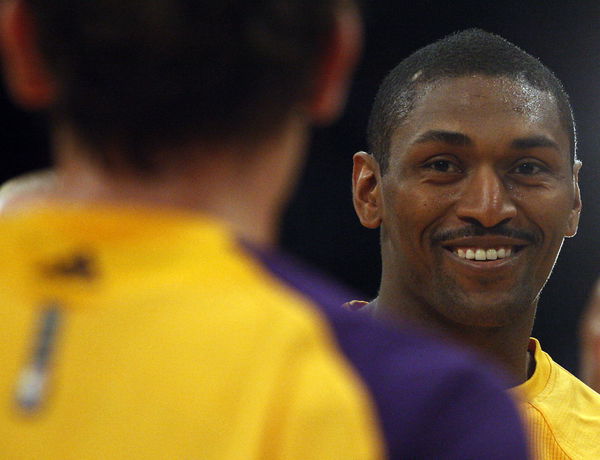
[(573, 221), (25, 72), (335, 68), (366, 189)]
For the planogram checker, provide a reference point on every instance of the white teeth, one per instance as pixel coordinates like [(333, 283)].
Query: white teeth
[(483, 254), (491, 254)]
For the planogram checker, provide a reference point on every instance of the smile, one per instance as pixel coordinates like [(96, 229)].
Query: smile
[(483, 250), (482, 254)]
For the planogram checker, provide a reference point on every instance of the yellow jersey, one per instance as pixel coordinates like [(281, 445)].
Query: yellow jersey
[(562, 414), (130, 334)]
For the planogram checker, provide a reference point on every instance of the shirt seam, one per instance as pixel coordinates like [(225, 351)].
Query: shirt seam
[(549, 426)]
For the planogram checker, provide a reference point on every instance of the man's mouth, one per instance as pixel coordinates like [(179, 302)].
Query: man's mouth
[(484, 254), (475, 244)]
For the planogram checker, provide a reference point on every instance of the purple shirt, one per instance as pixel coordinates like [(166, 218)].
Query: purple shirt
[(433, 400)]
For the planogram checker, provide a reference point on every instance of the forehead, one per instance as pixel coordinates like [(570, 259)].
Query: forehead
[(484, 108)]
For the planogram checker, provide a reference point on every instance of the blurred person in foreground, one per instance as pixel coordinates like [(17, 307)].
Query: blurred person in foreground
[(590, 341), (472, 178), (146, 312)]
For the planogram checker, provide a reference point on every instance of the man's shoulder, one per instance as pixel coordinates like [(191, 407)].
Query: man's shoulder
[(582, 401), (566, 410), (577, 389), (554, 385)]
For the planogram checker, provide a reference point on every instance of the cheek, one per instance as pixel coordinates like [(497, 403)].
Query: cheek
[(551, 214), (412, 211)]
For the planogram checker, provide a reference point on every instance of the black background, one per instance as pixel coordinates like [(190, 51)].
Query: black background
[(320, 225)]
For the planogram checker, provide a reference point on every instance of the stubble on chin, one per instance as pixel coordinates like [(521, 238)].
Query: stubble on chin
[(481, 307)]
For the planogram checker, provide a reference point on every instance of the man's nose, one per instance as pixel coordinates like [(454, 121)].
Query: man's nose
[(486, 199)]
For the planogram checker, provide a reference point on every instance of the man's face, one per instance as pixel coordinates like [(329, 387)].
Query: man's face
[(479, 193)]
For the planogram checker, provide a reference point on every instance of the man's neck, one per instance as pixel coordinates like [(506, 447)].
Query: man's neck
[(244, 187)]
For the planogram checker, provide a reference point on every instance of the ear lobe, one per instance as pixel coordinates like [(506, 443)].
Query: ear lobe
[(573, 221), (366, 189), (25, 72), (336, 65)]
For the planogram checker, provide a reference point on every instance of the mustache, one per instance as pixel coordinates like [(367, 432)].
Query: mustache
[(475, 230)]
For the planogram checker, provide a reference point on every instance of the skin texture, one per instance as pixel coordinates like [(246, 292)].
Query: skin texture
[(481, 162), (590, 341)]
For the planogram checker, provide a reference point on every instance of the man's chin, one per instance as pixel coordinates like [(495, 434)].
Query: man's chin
[(484, 310)]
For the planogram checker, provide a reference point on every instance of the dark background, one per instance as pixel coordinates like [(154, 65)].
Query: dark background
[(321, 227)]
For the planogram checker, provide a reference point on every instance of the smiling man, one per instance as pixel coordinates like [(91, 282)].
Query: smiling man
[(472, 178)]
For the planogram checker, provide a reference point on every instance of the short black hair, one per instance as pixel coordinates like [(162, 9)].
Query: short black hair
[(142, 75), (470, 52)]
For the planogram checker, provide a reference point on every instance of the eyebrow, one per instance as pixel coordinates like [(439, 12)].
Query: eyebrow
[(530, 142), (446, 137), (462, 140)]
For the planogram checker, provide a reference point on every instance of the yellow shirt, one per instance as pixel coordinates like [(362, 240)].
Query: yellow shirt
[(159, 338), (562, 414)]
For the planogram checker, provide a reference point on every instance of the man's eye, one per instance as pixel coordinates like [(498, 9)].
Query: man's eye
[(443, 166), (527, 169)]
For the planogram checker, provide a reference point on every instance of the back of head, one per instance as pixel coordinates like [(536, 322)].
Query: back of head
[(139, 75), (471, 52)]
